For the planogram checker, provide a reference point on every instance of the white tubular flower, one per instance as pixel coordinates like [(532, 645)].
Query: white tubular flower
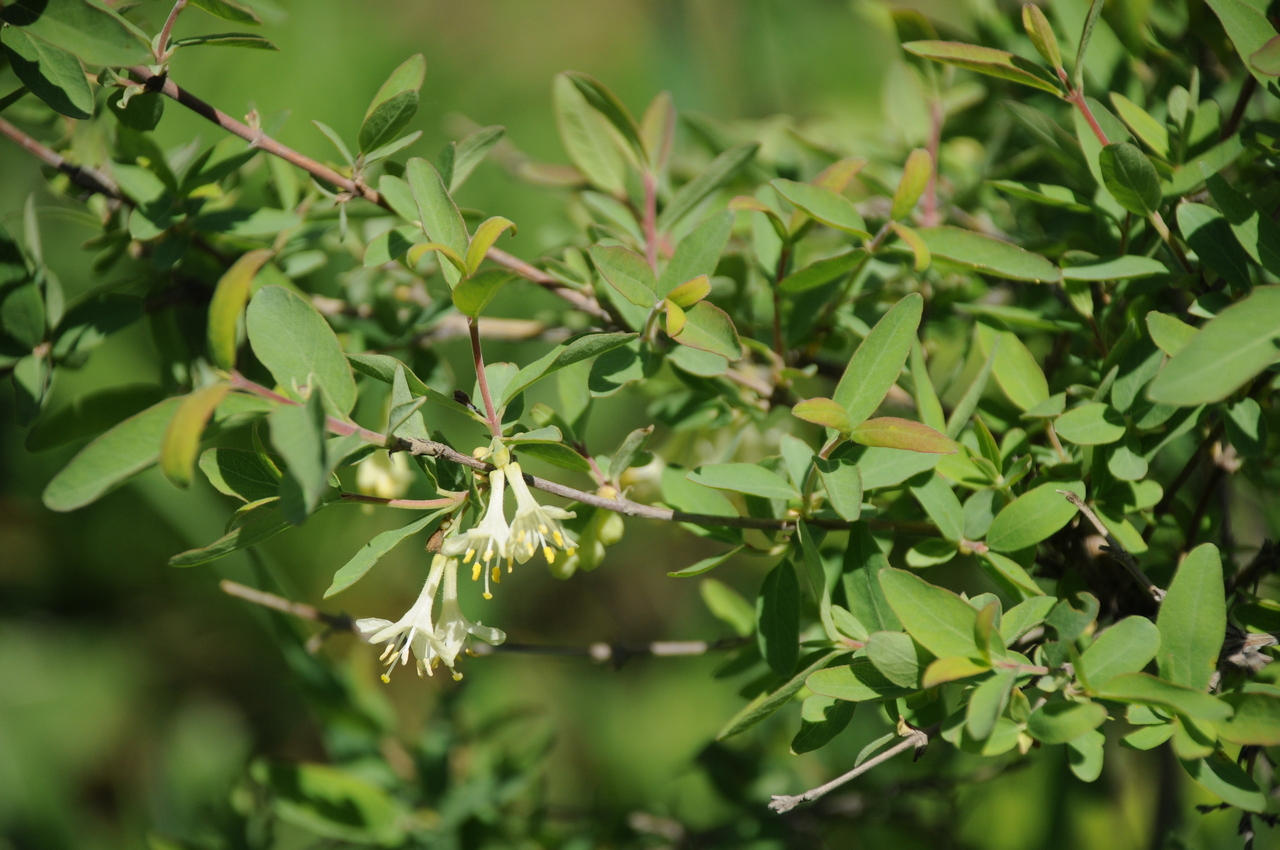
[(414, 632), (453, 629), (384, 475), (489, 538), (536, 526)]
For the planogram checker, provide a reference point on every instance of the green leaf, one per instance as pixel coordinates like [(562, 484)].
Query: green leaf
[(1042, 193), (589, 139), (843, 482), (1024, 617), (1193, 620), (22, 314), (607, 104), (51, 73), (1266, 59), (576, 350), (860, 583), (440, 218), (471, 152), (385, 123), (938, 619), (857, 681), (892, 433), (1014, 366), (485, 237), (823, 272), (878, 361), (698, 253), (95, 35), (765, 704), (226, 39), (1169, 334), (823, 205), (823, 411), (1130, 178), (1256, 720), (1257, 233), (985, 60), (297, 345), (707, 565), (1149, 130), (473, 294), (298, 436), (821, 720), (254, 525), (952, 669), (1126, 647), (228, 301), (728, 605), (231, 10), (1033, 516), (333, 804), (1225, 354), (111, 459), (778, 619), (882, 468), (988, 255), (963, 411), (720, 171), (1209, 235), (1041, 34), (899, 658), (1091, 424), (987, 703), (181, 442), (373, 551), (1060, 722), (1010, 574), (1223, 777), (746, 478), (240, 473), (1248, 28), (940, 503), (915, 177), (708, 328), (1117, 268), (627, 272), (383, 367), (1145, 689)]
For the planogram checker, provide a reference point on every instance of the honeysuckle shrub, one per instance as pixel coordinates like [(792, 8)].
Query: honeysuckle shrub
[(983, 389)]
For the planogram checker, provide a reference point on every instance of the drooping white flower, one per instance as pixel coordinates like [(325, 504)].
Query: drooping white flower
[(488, 539), (384, 475), (536, 526), (414, 632), (453, 628)]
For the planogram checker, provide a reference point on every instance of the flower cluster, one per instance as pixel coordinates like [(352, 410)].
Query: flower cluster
[(433, 640), (430, 641)]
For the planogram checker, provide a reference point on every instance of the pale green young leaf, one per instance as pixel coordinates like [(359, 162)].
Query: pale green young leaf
[(890, 432), (440, 218), (589, 139), (708, 328), (938, 619), (229, 298), (825, 412), (915, 177), (1014, 366), (1041, 34), (1149, 130), (748, 478), (181, 442), (485, 237), (698, 253), (471, 151), (898, 658), (823, 205)]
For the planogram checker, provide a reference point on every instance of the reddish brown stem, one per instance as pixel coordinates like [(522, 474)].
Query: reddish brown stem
[(412, 504), (477, 357), (81, 175), (1077, 97)]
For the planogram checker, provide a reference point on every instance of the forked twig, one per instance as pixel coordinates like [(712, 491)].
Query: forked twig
[(916, 739)]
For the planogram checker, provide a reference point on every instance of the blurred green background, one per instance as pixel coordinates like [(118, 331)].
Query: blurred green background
[(133, 695)]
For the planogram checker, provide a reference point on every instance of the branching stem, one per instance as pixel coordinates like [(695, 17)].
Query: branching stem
[(162, 43), (917, 739), (477, 356)]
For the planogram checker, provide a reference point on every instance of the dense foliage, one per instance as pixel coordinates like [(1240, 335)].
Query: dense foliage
[(980, 392)]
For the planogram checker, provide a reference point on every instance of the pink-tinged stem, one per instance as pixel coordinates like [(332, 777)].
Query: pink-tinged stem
[(477, 356), (651, 221), (411, 504)]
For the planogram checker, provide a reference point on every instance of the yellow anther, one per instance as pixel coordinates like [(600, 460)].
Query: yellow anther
[(569, 551), (471, 553), (475, 571), (457, 677), (549, 554), (497, 574), (559, 539), (542, 528), (386, 679)]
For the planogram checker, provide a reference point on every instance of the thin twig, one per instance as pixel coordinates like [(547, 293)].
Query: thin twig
[(616, 654), (1247, 90), (408, 504), (431, 448), (258, 139), (1114, 547), (916, 739), (482, 378), (81, 175)]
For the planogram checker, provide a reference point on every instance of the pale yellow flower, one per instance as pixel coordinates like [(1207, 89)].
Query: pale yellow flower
[(414, 632), (384, 475), (536, 526)]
